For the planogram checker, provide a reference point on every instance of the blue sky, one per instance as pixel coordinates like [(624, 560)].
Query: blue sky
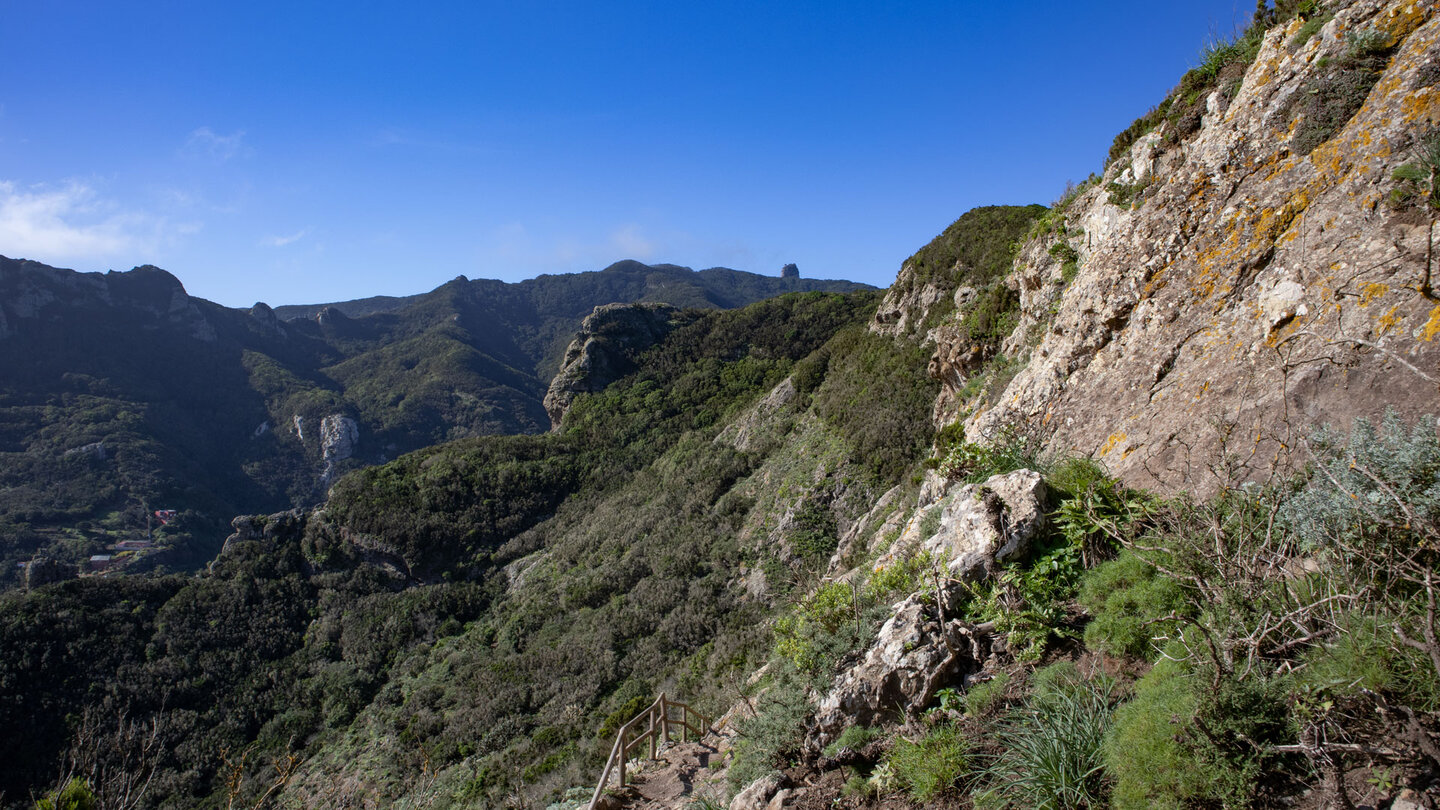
[(321, 151)]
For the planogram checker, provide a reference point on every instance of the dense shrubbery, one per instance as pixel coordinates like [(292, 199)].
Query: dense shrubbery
[(1291, 627)]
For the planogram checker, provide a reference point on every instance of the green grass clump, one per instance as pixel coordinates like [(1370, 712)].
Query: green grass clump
[(932, 765), (1051, 749), (1151, 768)]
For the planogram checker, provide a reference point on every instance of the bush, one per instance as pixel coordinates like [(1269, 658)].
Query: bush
[(1126, 597), (1144, 753), (1337, 92), (975, 462), (1364, 656), (982, 697), (74, 795), (853, 738), (931, 766), (1189, 738), (903, 577)]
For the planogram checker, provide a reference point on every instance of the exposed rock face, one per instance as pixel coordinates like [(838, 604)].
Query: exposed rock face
[(790, 271), (970, 529), (44, 570), (911, 658), (30, 291), (904, 307), (1252, 293), (265, 529), (604, 349), (757, 795), (973, 527), (756, 426), (338, 435), (265, 316)]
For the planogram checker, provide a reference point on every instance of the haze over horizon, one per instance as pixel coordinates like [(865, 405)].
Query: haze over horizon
[(300, 155)]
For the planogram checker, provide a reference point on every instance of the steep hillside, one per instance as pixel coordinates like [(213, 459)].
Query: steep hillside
[(1257, 259), (123, 396), (459, 621)]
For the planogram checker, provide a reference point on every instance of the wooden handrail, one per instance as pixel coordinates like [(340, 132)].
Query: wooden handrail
[(658, 724)]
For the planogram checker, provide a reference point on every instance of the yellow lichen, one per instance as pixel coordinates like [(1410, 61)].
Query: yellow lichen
[(1402, 20), (1115, 438), (1372, 292), (1432, 326), (1389, 321)]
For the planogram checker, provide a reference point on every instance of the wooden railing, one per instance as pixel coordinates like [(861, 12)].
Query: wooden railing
[(649, 727)]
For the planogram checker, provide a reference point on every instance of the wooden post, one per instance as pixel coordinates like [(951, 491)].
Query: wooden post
[(651, 735), (664, 719), (624, 755)]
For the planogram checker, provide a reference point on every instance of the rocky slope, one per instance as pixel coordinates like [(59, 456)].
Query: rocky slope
[(1230, 287)]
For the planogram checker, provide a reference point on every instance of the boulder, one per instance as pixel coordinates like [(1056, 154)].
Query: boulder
[(912, 657), (757, 795), (978, 526)]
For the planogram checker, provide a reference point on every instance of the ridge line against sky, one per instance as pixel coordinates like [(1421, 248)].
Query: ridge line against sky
[(324, 151)]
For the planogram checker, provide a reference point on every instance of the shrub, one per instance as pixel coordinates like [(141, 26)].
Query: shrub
[(1144, 755), (975, 462), (75, 794), (929, 767), (853, 738), (1337, 92), (1051, 750), (1311, 27), (1190, 738), (774, 733), (1372, 486), (1127, 598), (982, 697), (1364, 656), (905, 576)]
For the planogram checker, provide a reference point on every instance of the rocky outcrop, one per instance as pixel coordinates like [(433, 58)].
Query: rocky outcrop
[(604, 350), (338, 435), (148, 297), (970, 528), (914, 655), (904, 309), (1229, 289), (765, 422), (43, 571)]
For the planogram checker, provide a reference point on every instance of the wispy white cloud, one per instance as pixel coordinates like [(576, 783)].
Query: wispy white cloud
[(515, 245), (74, 222), (208, 144), (282, 241), (631, 243)]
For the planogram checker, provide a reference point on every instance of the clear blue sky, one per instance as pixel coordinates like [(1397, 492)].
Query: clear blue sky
[(301, 152)]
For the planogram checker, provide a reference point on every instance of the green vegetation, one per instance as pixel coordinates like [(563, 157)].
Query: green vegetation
[(1051, 748), (1335, 93), (1222, 66), (109, 413), (931, 765)]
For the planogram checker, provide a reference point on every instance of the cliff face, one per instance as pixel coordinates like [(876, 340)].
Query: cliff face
[(604, 349), (1218, 293)]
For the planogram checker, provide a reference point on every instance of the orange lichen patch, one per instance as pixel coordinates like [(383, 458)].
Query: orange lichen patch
[(1115, 438), (1389, 321), (1372, 292), (1431, 327), (1401, 21), (1422, 104)]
